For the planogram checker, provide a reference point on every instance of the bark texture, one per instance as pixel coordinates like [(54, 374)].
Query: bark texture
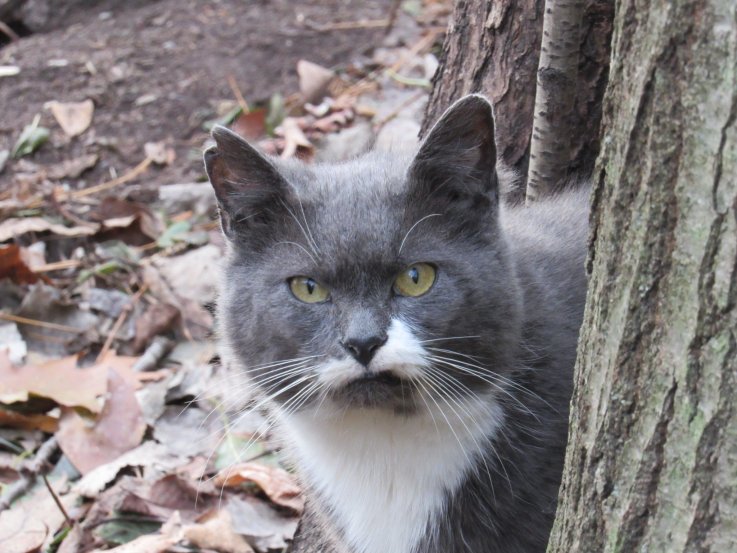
[(555, 94), (492, 47), (652, 458)]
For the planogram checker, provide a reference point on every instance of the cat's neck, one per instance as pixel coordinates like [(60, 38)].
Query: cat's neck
[(385, 477)]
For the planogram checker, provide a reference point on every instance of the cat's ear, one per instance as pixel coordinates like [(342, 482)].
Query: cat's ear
[(249, 189), (456, 163)]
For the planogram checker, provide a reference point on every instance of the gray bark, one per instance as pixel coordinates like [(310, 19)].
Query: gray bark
[(550, 147), (651, 463)]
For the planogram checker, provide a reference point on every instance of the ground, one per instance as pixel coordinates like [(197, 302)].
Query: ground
[(114, 431)]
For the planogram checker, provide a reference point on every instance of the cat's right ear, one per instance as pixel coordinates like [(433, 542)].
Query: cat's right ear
[(248, 187)]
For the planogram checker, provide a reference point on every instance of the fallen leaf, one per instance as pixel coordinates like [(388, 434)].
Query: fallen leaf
[(159, 153), (31, 138), (294, 138), (59, 380), (12, 342), (147, 454), (170, 534), (313, 80), (13, 228), (72, 168), (251, 125), (73, 117), (21, 531), (118, 429), (12, 419), (14, 267), (216, 532), (193, 275), (280, 486), (157, 319), (266, 529)]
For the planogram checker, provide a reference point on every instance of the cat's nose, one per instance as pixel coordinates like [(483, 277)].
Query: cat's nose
[(364, 349)]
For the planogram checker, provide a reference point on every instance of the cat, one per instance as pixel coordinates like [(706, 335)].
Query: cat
[(413, 336)]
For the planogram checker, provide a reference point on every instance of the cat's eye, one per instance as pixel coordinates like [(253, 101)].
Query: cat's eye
[(308, 290), (415, 280)]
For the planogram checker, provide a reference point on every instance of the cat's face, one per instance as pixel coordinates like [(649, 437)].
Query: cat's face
[(377, 283)]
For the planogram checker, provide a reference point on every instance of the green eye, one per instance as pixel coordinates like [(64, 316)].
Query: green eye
[(308, 290), (415, 280)]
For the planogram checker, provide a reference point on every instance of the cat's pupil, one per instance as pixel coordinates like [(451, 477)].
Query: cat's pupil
[(310, 285), (414, 274)]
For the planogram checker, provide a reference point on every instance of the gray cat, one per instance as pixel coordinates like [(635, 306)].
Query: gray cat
[(413, 336)]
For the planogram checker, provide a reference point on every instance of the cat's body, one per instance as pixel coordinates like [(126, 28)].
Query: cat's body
[(422, 419)]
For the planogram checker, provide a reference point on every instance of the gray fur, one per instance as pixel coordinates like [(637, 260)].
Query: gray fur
[(513, 276)]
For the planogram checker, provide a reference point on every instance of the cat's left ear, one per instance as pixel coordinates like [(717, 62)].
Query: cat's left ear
[(456, 163)]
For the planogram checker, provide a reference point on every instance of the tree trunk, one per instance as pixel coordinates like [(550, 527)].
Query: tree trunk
[(652, 456), (555, 94), (493, 47)]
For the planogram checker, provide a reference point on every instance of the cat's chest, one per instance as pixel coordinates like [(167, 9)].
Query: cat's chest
[(384, 477)]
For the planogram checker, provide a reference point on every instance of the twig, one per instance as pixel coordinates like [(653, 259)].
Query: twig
[(39, 465), (238, 94), (12, 35), (57, 266), (58, 502), (127, 308), (158, 348), (43, 324), (348, 25)]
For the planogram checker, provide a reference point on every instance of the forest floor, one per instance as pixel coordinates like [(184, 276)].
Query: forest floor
[(114, 431)]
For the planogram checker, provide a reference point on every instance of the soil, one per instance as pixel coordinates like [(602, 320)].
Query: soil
[(157, 70)]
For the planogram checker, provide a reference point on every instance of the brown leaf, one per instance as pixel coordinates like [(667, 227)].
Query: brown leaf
[(59, 380), (44, 423), (294, 138), (12, 228), (119, 428), (21, 531), (13, 266), (157, 319), (276, 483), (216, 532), (72, 168), (251, 125), (313, 80), (73, 117)]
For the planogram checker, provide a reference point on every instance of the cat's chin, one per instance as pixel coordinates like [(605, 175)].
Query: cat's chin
[(376, 391)]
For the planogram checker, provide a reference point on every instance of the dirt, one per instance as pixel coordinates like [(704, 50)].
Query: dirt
[(158, 70)]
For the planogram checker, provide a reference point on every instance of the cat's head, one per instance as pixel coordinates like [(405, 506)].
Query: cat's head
[(373, 283)]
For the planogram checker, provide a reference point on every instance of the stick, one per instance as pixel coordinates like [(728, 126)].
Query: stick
[(12, 35), (238, 94), (42, 324), (58, 502), (127, 308), (39, 465), (156, 350)]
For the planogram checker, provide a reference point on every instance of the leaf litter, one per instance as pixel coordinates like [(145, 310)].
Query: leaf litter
[(111, 387)]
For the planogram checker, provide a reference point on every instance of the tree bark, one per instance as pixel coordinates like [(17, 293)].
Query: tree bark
[(555, 94), (493, 46), (651, 463)]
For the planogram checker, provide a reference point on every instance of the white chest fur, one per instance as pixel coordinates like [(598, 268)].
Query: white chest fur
[(385, 476)]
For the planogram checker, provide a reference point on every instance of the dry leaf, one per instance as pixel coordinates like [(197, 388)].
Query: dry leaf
[(157, 319), (118, 429), (12, 228), (169, 535), (14, 267), (251, 125), (11, 419), (276, 483), (73, 117), (59, 380), (313, 80), (72, 168), (216, 532), (265, 529), (294, 138), (21, 531), (159, 153)]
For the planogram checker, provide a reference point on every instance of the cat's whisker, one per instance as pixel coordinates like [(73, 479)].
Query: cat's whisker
[(413, 228), (486, 377), (301, 247), (442, 385), (449, 338), (312, 246), (463, 388)]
